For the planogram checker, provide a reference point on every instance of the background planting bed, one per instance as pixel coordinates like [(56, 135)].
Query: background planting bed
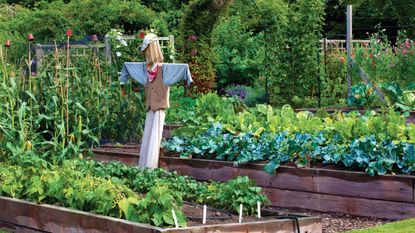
[(23, 216), (356, 193)]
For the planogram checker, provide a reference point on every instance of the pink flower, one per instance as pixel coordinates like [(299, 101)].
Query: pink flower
[(192, 38), (342, 60), (405, 51), (194, 52), (407, 44)]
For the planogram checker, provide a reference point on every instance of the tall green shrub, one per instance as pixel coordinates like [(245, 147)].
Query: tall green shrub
[(195, 41)]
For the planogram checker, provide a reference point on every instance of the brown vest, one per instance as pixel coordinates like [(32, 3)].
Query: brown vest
[(157, 93)]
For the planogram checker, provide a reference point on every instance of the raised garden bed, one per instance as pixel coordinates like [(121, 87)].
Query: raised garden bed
[(356, 193), (23, 216), (320, 189)]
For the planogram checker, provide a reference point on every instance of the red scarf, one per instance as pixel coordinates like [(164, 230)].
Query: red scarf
[(152, 74)]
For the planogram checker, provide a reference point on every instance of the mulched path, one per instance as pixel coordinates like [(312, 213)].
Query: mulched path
[(332, 222), (339, 222)]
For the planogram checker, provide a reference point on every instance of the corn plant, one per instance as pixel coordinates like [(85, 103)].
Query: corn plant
[(69, 105)]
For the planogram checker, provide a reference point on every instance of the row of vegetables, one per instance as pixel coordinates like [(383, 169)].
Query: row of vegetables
[(118, 190), (378, 143)]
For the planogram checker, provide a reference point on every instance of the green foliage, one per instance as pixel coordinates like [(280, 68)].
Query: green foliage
[(298, 51), (40, 116), (162, 183), (244, 191), (362, 95), (107, 189), (379, 143), (157, 206), (181, 108), (384, 61), (49, 21), (209, 108), (333, 83), (195, 40), (250, 96), (239, 47)]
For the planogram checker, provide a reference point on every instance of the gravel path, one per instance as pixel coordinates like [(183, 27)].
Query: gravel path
[(338, 222)]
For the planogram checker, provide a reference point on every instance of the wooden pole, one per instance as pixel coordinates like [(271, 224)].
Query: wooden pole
[(349, 46), (108, 49)]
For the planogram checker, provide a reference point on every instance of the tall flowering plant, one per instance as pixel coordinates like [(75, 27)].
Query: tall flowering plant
[(385, 61)]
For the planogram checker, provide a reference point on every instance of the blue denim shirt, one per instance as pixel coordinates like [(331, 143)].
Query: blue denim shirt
[(172, 73)]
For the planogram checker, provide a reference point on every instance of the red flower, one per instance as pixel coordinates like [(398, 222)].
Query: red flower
[(94, 38), (69, 32), (7, 44), (30, 37), (142, 35), (342, 60), (407, 44)]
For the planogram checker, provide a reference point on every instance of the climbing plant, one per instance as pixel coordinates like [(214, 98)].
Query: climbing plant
[(297, 76), (195, 41)]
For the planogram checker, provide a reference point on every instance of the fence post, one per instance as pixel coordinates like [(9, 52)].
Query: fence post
[(39, 55), (171, 41), (108, 49), (349, 47)]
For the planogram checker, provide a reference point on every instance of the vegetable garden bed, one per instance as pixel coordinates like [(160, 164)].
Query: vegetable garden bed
[(321, 189), (23, 216)]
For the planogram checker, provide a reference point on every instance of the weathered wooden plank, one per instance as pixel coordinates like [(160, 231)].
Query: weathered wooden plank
[(195, 169), (59, 219), (398, 188), (309, 225), (294, 179), (391, 188), (341, 204), (18, 212), (219, 172), (260, 177)]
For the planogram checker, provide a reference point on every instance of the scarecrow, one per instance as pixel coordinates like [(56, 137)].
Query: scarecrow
[(156, 77)]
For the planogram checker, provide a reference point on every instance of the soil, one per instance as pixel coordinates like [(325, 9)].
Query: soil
[(120, 148), (194, 213)]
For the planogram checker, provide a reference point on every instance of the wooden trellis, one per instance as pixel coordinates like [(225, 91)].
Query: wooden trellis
[(82, 49)]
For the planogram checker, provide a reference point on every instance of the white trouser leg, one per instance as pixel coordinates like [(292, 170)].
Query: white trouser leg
[(146, 139), (149, 157)]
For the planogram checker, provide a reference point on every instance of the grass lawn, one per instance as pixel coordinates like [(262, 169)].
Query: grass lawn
[(404, 226)]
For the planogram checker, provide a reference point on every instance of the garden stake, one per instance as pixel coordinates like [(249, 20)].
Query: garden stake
[(31, 38), (204, 214), (68, 34), (174, 218), (259, 209), (240, 213)]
